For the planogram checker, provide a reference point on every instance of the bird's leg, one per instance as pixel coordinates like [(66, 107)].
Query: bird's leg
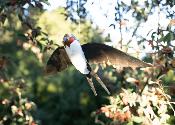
[(89, 79), (99, 80)]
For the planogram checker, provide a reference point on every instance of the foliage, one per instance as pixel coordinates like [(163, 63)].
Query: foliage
[(150, 100), (24, 51), (29, 35), (152, 104), (14, 107)]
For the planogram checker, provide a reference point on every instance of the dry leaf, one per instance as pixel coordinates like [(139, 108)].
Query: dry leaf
[(172, 22)]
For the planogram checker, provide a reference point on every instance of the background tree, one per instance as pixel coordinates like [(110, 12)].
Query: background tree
[(29, 35)]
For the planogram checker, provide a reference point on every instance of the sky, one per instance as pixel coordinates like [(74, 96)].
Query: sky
[(100, 8)]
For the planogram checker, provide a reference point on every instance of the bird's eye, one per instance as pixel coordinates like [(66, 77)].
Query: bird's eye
[(65, 39)]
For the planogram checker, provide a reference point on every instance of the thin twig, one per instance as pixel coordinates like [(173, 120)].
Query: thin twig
[(120, 26), (134, 32), (163, 92)]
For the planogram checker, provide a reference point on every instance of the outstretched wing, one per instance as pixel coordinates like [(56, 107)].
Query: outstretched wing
[(95, 53), (58, 61), (103, 54)]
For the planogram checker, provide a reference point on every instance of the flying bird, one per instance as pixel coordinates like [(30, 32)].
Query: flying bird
[(81, 56)]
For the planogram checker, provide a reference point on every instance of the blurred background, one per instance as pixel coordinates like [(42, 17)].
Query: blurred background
[(31, 30)]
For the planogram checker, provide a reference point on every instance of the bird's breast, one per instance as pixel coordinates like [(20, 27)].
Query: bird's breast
[(77, 57)]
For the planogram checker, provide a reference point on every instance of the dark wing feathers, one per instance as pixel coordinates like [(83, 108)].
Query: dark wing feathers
[(99, 53), (58, 61), (95, 53)]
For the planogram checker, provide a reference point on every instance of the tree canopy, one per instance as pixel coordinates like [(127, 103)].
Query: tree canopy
[(29, 34)]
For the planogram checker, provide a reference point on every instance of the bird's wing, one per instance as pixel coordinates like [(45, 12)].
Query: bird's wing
[(103, 54), (58, 61), (95, 53)]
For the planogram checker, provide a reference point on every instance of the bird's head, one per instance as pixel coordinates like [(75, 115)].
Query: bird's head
[(68, 39)]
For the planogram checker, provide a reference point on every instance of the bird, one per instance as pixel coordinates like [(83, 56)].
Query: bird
[(81, 56)]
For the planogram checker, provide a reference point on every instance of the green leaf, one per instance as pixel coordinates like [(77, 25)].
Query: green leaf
[(40, 46), (22, 36), (130, 123), (169, 37), (137, 119), (44, 41), (170, 76), (153, 35), (20, 17)]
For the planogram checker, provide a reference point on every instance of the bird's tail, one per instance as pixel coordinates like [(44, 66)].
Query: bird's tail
[(89, 79), (91, 85), (101, 82)]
